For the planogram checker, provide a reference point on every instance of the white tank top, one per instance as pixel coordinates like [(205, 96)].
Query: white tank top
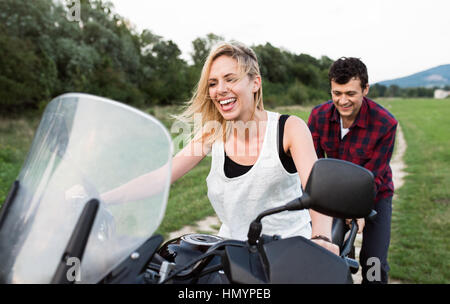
[(239, 200)]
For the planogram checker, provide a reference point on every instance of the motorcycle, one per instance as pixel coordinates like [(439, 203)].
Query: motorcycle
[(48, 235)]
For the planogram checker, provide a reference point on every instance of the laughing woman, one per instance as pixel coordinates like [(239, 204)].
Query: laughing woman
[(260, 160)]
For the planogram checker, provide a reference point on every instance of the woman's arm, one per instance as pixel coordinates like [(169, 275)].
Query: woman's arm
[(188, 158), (298, 141)]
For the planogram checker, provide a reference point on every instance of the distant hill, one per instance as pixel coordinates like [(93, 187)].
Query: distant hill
[(438, 76)]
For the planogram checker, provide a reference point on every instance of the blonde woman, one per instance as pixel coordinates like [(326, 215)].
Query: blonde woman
[(256, 164), (249, 173)]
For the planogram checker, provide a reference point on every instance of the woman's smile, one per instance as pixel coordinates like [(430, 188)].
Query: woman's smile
[(227, 104)]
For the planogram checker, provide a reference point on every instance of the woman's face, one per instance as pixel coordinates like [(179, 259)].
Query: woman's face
[(233, 97)]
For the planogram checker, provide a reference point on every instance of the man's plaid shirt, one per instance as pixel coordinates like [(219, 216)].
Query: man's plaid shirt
[(369, 143)]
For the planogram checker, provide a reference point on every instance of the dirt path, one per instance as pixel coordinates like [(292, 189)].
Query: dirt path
[(211, 224)]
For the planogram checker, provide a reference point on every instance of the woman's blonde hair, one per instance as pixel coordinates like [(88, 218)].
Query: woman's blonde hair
[(201, 103)]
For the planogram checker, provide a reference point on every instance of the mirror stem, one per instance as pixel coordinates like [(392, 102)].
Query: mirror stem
[(300, 203), (255, 229)]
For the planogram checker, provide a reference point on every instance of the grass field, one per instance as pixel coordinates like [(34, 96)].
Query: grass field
[(420, 246), (16, 135)]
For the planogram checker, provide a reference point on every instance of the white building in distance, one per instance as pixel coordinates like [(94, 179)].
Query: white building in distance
[(441, 94)]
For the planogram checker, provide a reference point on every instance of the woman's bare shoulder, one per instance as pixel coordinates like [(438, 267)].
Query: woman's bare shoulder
[(295, 124)]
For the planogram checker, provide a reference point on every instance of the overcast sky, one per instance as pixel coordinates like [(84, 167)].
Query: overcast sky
[(394, 38)]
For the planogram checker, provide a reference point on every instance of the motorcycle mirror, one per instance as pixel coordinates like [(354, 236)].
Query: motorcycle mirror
[(340, 189)]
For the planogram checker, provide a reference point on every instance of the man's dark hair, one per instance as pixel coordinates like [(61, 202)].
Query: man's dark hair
[(345, 68)]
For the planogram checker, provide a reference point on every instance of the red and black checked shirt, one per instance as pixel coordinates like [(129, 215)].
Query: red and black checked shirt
[(369, 143)]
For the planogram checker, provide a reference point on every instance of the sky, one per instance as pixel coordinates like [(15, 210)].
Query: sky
[(394, 38)]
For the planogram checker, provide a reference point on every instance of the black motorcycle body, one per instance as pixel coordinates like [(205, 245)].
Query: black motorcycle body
[(271, 261)]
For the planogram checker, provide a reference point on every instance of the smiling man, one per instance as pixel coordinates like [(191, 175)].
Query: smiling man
[(354, 128)]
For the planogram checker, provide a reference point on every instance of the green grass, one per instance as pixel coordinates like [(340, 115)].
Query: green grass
[(15, 139), (420, 245)]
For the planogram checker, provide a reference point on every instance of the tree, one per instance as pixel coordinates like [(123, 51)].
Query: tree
[(44, 54), (393, 91), (28, 73), (274, 64), (202, 47), (377, 90), (25, 78)]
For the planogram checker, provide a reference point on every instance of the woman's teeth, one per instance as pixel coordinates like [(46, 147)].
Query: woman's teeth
[(227, 101)]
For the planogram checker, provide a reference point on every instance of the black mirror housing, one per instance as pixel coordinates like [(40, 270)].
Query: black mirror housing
[(340, 189)]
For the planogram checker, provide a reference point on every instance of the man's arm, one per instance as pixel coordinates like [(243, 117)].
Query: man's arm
[(313, 127), (381, 156)]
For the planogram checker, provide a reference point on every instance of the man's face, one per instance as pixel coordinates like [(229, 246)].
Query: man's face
[(348, 98)]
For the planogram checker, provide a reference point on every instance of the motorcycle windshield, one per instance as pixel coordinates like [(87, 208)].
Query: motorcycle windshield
[(86, 147)]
